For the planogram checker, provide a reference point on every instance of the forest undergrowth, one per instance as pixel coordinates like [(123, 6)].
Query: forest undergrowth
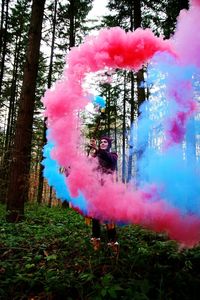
[(49, 256)]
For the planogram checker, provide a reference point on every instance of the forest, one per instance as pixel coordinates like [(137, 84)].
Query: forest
[(51, 59)]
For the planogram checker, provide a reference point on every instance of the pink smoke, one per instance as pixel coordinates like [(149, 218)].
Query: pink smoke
[(115, 48), (186, 39), (194, 3), (180, 90)]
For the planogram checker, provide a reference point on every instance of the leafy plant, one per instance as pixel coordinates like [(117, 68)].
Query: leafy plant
[(49, 256)]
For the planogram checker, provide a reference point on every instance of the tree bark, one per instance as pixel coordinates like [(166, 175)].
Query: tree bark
[(41, 178), (20, 164), (124, 133), (140, 73), (3, 41), (130, 157), (71, 24), (135, 14), (4, 169), (1, 26)]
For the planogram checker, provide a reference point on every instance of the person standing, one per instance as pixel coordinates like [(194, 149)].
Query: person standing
[(107, 164)]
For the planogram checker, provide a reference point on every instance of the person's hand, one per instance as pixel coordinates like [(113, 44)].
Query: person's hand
[(93, 144)]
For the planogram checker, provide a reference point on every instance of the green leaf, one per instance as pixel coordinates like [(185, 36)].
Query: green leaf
[(29, 266), (51, 257)]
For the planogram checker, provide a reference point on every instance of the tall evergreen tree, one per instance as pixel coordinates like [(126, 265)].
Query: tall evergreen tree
[(19, 171), (17, 31), (3, 38), (65, 28), (41, 179), (128, 16), (70, 29)]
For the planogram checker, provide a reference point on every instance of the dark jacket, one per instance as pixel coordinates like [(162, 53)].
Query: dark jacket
[(107, 161)]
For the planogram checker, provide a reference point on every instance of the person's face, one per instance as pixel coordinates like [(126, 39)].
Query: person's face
[(103, 144)]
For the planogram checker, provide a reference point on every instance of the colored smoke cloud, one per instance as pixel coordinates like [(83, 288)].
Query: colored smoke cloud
[(166, 194)]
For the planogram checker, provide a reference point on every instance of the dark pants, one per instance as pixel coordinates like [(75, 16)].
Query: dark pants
[(96, 231)]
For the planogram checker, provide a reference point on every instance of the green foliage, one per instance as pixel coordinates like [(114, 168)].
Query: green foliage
[(160, 16), (16, 35), (49, 256)]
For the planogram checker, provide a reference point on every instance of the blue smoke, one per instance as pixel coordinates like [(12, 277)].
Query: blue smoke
[(58, 180), (174, 170)]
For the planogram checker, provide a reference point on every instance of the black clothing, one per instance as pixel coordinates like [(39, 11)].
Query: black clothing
[(107, 165), (96, 231), (107, 161)]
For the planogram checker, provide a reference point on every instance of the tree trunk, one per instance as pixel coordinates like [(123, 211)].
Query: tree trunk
[(50, 197), (41, 178), (115, 131), (3, 42), (9, 130), (140, 73), (71, 24), (130, 158), (108, 99), (135, 13), (41, 169), (124, 134), (20, 164), (1, 26)]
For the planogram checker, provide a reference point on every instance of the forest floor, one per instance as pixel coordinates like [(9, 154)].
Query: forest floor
[(49, 256)]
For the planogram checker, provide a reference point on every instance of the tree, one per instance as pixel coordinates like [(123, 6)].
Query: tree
[(3, 37), (70, 30), (41, 178), (18, 17), (65, 26), (129, 17), (20, 164)]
